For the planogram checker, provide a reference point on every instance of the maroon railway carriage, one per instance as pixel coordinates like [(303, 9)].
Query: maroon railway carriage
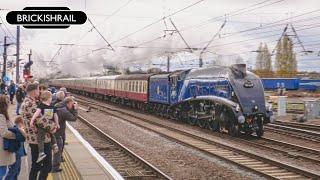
[(132, 87), (105, 85)]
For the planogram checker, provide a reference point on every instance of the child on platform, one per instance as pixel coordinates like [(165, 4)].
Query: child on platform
[(47, 123)]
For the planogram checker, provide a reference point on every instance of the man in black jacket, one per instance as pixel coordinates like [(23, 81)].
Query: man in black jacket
[(20, 94), (67, 110)]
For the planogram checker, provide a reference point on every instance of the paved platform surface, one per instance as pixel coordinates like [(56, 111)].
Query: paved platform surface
[(82, 162)]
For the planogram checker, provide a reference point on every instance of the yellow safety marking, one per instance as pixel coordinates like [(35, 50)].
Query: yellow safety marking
[(50, 177), (69, 171)]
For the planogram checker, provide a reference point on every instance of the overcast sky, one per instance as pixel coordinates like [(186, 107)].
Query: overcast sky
[(120, 21)]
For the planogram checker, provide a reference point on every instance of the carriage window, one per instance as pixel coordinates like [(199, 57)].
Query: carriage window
[(138, 86), (143, 87), (132, 86)]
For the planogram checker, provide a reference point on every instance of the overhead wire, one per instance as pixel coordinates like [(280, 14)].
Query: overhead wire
[(250, 29), (94, 27), (144, 27), (230, 14), (7, 28), (112, 14), (157, 21), (218, 17)]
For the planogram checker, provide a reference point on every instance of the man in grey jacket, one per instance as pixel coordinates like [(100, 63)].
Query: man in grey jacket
[(67, 110)]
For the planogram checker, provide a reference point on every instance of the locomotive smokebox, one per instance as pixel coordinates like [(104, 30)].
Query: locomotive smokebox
[(239, 69)]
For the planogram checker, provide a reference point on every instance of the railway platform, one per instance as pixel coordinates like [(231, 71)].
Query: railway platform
[(82, 162)]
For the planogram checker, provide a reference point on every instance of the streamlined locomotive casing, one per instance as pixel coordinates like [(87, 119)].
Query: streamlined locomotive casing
[(232, 92)]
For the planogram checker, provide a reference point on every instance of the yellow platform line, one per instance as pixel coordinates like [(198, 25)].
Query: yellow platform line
[(69, 171), (50, 177)]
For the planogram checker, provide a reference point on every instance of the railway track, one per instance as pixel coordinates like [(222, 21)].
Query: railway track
[(288, 149), (126, 162), (309, 127), (294, 132), (261, 165)]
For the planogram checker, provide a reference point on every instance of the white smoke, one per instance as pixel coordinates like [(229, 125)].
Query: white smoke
[(73, 59)]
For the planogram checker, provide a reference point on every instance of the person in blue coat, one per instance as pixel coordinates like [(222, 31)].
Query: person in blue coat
[(12, 91), (14, 169)]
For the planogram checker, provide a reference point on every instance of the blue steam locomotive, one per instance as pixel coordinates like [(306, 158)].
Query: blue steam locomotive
[(219, 98)]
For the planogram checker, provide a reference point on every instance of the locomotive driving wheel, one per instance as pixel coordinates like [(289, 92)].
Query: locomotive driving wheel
[(213, 124), (260, 130), (192, 120), (202, 123), (233, 129)]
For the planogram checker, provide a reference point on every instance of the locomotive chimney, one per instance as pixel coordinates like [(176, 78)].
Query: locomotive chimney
[(239, 68)]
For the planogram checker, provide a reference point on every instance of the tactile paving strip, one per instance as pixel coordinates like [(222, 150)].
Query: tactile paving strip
[(69, 170)]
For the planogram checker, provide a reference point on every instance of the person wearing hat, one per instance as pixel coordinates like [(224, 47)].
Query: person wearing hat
[(29, 106)]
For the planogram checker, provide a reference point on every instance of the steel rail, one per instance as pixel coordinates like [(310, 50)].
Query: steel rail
[(256, 163), (156, 173)]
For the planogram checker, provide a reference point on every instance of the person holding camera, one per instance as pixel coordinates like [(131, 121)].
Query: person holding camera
[(67, 110)]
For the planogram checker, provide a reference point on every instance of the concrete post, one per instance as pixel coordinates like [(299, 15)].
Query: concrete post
[(282, 105)]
